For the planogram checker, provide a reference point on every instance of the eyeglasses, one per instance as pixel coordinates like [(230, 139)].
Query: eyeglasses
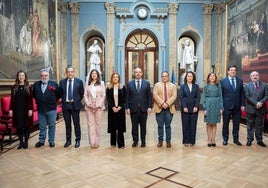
[(43, 75)]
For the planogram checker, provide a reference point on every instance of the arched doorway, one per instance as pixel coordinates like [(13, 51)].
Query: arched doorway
[(142, 51)]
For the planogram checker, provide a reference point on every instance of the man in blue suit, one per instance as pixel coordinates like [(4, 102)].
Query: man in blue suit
[(72, 92), (233, 102), (256, 93), (138, 105), (46, 93)]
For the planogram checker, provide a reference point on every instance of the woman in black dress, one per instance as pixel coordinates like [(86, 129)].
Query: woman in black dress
[(21, 108), (115, 95)]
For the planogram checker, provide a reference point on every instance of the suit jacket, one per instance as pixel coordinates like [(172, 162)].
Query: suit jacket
[(46, 101), (116, 121), (100, 96), (141, 100), (189, 99), (78, 92), (253, 98), (158, 95), (232, 99)]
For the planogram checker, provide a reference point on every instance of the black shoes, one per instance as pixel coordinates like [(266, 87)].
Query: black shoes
[(237, 143), (51, 144), (77, 144), (143, 144), (67, 144), (261, 144), (135, 144), (248, 143), (225, 143), (39, 144)]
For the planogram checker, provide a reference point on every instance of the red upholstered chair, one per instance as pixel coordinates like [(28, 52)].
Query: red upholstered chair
[(5, 102), (35, 113), (3, 130), (59, 109)]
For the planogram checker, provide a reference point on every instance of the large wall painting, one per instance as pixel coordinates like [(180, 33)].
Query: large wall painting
[(27, 37), (248, 37)]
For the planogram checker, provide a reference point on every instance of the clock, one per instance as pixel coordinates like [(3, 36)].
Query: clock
[(142, 13)]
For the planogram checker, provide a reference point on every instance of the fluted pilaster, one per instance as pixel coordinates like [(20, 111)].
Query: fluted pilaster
[(74, 8), (172, 10), (110, 11), (62, 40), (207, 9)]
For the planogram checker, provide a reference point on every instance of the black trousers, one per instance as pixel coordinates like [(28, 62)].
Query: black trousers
[(68, 114), (236, 116), (117, 136), (138, 118)]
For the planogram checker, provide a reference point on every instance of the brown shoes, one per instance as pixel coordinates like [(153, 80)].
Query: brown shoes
[(159, 144), (168, 144)]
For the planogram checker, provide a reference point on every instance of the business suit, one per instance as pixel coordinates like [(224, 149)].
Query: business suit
[(164, 115), (138, 102), (255, 116), (233, 100), (190, 100), (71, 109), (94, 106)]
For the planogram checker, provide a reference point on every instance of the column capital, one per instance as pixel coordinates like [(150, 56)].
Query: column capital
[(74, 7), (207, 9), (220, 8), (110, 7), (62, 7), (173, 8)]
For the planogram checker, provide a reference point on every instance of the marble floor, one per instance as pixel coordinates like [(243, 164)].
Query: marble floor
[(151, 167)]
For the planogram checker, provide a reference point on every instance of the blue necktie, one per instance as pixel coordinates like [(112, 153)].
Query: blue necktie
[(233, 83), (70, 91), (138, 86)]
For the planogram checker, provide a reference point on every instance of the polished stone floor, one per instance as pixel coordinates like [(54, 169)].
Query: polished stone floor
[(178, 166)]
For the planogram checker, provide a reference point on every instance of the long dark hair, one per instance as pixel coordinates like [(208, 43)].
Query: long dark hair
[(98, 82), (17, 83)]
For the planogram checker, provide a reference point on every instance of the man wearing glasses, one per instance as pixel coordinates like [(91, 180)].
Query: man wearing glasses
[(46, 93)]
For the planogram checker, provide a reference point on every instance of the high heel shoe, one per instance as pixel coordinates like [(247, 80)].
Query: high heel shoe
[(213, 144), (209, 144)]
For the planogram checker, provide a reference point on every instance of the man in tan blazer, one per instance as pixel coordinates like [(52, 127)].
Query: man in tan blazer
[(164, 94)]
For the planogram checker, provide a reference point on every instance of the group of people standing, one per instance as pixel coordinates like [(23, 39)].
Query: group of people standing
[(225, 97)]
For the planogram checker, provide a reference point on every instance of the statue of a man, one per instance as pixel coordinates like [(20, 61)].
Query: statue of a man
[(187, 56), (94, 59)]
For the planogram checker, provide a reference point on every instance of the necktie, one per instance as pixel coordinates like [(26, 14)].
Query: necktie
[(70, 91), (233, 83), (165, 92), (257, 87), (138, 86)]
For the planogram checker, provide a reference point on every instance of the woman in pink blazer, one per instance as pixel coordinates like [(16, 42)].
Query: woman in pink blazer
[(94, 105)]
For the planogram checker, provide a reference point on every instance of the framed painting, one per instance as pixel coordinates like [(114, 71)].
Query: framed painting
[(27, 38), (248, 37)]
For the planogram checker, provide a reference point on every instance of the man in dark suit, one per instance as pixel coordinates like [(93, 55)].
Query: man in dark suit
[(138, 105), (233, 102), (72, 92), (46, 93), (256, 93)]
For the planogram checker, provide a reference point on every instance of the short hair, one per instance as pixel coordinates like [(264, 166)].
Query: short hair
[(44, 70), (232, 66), (194, 77)]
